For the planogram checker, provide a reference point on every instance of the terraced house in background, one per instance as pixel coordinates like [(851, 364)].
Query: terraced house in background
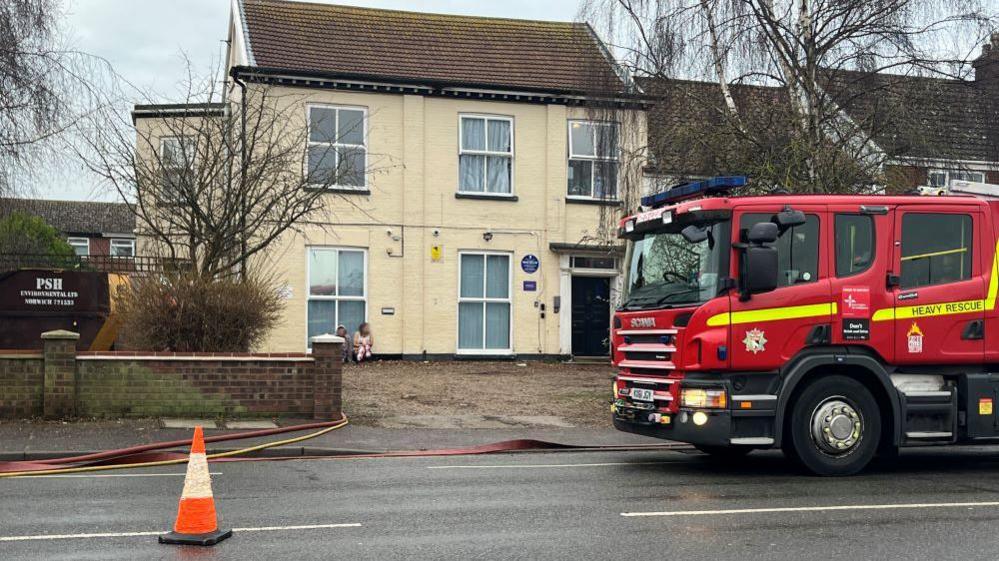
[(92, 229), (477, 216)]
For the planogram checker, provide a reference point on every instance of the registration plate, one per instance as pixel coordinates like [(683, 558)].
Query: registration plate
[(642, 394)]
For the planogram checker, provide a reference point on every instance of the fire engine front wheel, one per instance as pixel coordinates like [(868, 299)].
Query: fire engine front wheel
[(834, 427)]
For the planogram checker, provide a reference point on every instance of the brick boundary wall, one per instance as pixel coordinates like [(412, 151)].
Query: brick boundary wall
[(61, 382)]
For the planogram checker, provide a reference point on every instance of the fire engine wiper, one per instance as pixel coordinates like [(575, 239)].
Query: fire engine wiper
[(662, 300)]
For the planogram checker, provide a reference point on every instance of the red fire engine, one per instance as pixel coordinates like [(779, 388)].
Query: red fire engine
[(834, 327)]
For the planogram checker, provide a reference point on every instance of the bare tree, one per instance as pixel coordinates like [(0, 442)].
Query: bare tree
[(817, 57), (218, 178), (44, 88)]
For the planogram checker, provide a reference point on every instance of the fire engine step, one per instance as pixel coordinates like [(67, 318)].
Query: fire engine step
[(930, 416), (929, 435)]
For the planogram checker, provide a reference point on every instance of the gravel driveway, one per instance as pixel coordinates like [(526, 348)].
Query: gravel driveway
[(467, 394)]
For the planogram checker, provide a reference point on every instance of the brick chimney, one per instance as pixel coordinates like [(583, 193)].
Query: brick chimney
[(987, 64)]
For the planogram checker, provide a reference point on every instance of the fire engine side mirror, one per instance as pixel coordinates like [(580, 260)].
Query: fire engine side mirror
[(694, 234), (759, 270), (788, 218)]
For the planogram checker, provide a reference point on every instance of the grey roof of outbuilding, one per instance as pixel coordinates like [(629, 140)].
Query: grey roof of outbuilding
[(75, 217)]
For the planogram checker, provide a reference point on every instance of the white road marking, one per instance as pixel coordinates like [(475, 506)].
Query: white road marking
[(811, 509), (75, 536), (139, 534), (71, 476), (307, 527), (526, 466)]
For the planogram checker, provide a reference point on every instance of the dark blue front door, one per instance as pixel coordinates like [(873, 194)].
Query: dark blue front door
[(590, 316)]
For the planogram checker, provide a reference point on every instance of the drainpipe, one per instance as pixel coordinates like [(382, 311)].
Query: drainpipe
[(242, 169)]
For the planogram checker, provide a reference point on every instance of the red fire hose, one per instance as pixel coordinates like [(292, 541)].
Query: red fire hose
[(159, 454)]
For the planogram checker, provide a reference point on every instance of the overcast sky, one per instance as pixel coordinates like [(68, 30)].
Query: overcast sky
[(145, 40)]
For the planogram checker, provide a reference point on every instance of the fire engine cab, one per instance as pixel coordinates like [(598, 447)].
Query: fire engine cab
[(832, 326)]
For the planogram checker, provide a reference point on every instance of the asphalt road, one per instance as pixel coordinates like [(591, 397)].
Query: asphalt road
[(527, 506)]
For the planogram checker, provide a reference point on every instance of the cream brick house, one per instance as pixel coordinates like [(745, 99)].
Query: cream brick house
[(485, 225)]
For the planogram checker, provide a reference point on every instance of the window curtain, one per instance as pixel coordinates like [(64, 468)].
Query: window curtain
[(321, 318), (498, 276), (499, 136), (497, 325), (498, 174), (351, 273), (351, 315), (322, 272), (470, 326), (471, 173), (472, 274), (498, 167)]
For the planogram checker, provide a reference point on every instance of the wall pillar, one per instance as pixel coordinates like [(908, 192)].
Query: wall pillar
[(327, 351), (59, 393)]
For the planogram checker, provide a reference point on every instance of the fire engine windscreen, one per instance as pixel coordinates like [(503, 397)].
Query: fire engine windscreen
[(668, 269)]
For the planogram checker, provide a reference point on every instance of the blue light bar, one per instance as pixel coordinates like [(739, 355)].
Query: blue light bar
[(703, 188)]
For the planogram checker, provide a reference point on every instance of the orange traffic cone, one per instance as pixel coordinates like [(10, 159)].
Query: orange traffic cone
[(196, 523)]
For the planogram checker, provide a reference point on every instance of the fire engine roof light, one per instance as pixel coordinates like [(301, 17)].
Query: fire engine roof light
[(703, 188)]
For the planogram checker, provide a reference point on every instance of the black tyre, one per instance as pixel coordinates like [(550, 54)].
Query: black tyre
[(724, 452), (834, 427)]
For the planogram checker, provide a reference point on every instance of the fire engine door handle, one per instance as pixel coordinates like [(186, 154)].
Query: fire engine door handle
[(974, 330), (819, 335)]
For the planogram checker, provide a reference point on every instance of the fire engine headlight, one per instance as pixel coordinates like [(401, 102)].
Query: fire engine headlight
[(620, 389), (700, 398)]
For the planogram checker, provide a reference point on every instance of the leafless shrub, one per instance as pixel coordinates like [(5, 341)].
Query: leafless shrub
[(189, 312)]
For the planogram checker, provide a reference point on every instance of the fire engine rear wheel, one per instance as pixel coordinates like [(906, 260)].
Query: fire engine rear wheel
[(834, 427), (724, 452)]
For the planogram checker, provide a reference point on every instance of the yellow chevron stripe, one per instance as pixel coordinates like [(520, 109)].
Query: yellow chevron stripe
[(929, 310), (772, 314), (884, 314), (990, 296), (947, 308)]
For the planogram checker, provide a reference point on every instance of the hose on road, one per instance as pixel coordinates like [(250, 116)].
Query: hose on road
[(159, 454), (133, 457)]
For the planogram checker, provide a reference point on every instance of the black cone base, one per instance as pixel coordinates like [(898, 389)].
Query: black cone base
[(211, 538)]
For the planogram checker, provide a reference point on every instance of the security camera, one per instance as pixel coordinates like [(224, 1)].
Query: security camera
[(436, 232), (487, 236)]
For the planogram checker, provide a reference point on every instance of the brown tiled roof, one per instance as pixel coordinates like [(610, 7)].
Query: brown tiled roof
[(434, 49), (922, 117), (907, 116), (688, 129), (75, 217)]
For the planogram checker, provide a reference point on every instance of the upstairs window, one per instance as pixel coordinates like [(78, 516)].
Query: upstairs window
[(177, 155), (941, 178), (337, 153), (485, 155), (593, 160), (122, 248), (797, 248), (81, 246), (936, 249)]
